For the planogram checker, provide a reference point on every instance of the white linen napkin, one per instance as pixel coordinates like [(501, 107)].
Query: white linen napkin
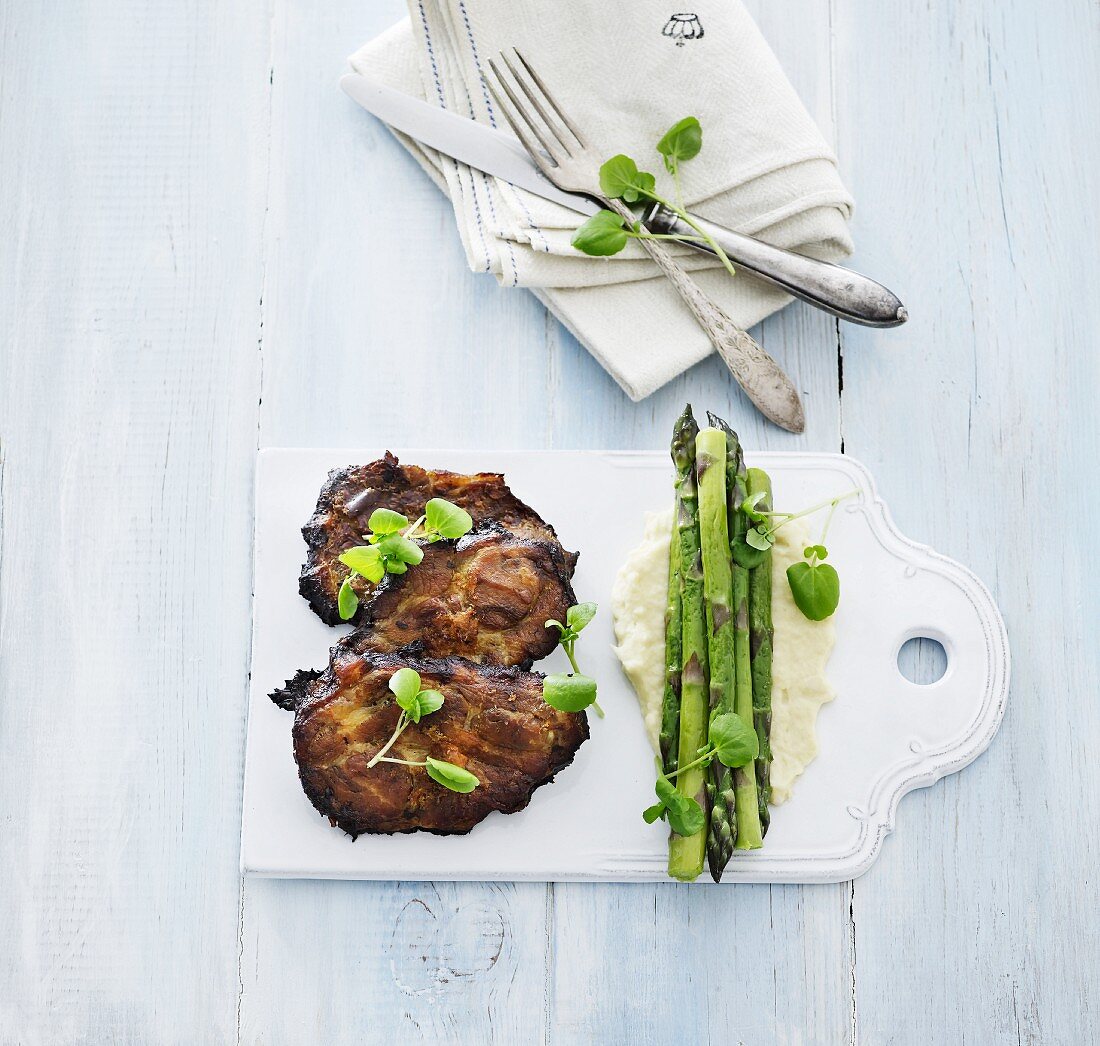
[(764, 167)]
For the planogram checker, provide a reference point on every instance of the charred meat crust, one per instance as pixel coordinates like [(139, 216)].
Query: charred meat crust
[(351, 494), (296, 689), (493, 721), (486, 597), (470, 618)]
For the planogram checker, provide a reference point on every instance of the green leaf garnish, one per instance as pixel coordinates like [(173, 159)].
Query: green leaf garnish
[(685, 815), (405, 684), (760, 539), (365, 560), (748, 506), (621, 179), (729, 738), (602, 235), (574, 691), (569, 692), (815, 587), (421, 704), (396, 548), (347, 601), (579, 615), (390, 547), (682, 141), (414, 702), (430, 701), (456, 778), (606, 232), (447, 520), (386, 521), (576, 618), (651, 813), (734, 741), (746, 556)]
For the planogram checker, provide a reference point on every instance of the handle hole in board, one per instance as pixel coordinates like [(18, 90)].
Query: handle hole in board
[(922, 660)]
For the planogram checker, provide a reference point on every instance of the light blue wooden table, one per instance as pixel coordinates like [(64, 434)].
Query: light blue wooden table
[(206, 249)]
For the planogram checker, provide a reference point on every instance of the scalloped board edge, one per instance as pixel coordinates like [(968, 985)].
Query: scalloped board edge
[(927, 766)]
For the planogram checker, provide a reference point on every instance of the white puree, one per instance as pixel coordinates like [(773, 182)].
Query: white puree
[(638, 600), (801, 647)]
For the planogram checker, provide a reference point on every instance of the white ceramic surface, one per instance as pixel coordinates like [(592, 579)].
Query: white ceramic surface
[(880, 738)]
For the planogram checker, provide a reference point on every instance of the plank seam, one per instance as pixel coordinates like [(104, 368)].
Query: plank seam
[(240, 955), (853, 1012), (270, 89), (548, 983)]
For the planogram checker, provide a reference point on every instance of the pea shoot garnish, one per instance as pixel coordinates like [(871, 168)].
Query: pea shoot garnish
[(606, 232), (571, 691), (392, 547), (731, 741), (415, 703)]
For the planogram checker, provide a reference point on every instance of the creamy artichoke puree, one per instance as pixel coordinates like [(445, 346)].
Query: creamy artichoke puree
[(801, 647)]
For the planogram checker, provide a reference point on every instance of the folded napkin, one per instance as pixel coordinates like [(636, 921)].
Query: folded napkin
[(764, 168)]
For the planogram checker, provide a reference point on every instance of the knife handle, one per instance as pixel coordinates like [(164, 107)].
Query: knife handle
[(833, 288)]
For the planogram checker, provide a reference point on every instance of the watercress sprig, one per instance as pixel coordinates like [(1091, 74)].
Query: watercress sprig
[(606, 232), (392, 547), (416, 703), (760, 537), (733, 743), (571, 691), (684, 815), (814, 584)]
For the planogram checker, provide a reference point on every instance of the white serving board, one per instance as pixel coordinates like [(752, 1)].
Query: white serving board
[(880, 738)]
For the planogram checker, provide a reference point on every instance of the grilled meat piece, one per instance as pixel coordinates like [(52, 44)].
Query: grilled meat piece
[(350, 495), (486, 597), (493, 722)]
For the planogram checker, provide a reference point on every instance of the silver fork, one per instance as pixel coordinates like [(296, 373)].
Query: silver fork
[(561, 153)]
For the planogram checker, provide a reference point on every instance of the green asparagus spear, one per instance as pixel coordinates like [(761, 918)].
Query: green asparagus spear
[(670, 703), (685, 853), (710, 468), (749, 835), (760, 634)]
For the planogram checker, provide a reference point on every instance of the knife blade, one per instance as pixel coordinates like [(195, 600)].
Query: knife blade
[(832, 288), (484, 148)]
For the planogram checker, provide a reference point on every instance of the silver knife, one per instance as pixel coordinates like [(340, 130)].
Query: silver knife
[(832, 288)]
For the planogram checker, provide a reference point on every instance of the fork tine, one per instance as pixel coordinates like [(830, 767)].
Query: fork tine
[(550, 99), (533, 96), (517, 119)]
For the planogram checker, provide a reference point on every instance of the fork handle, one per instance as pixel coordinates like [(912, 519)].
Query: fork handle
[(756, 372), (840, 291)]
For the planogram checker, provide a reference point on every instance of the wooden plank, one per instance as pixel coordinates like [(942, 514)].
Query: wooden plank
[(366, 279), (128, 396), (653, 964), (962, 127), (670, 963), (376, 333), (338, 962)]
